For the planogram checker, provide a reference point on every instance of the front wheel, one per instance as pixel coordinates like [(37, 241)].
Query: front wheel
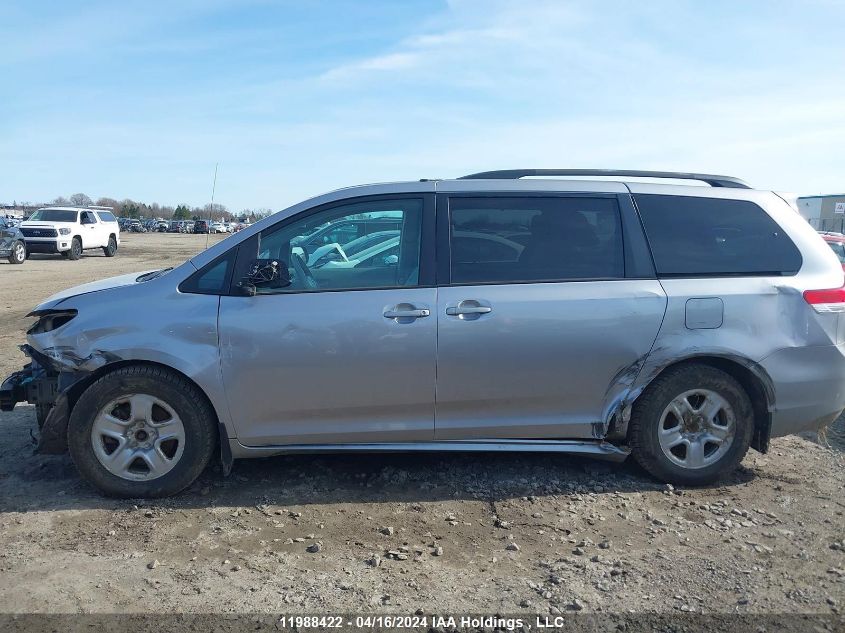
[(18, 255), (111, 249), (691, 425), (141, 431), (75, 251)]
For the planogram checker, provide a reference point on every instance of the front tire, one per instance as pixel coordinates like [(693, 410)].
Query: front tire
[(691, 425), (75, 251), (141, 431), (18, 255)]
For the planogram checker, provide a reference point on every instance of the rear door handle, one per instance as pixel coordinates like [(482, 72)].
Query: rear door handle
[(469, 309), (403, 312), (457, 311)]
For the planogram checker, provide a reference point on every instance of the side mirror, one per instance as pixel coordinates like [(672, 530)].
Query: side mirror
[(266, 273)]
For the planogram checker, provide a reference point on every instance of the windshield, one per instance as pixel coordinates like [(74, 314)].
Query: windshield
[(54, 215), (839, 249)]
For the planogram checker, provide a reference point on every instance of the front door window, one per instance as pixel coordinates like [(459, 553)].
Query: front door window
[(357, 246)]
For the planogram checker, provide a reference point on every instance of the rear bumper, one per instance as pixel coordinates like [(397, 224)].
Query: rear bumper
[(809, 387)]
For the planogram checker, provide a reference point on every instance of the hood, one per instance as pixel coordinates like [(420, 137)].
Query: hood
[(46, 224), (94, 286)]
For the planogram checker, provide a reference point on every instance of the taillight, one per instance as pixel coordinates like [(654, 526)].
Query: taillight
[(826, 301)]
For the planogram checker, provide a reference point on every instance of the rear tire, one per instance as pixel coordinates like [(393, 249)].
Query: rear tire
[(691, 425), (106, 426), (111, 249), (19, 254), (75, 251)]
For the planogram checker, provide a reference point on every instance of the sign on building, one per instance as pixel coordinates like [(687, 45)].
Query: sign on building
[(839, 207)]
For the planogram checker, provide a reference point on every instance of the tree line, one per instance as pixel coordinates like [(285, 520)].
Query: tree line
[(129, 208)]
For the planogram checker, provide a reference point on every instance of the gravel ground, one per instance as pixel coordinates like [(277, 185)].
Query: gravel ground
[(531, 534)]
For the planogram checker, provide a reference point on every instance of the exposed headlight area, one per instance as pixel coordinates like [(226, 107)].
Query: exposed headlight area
[(49, 320), (64, 231)]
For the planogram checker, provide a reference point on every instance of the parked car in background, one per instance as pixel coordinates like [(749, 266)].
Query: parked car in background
[(217, 227), (135, 226), (625, 320), (836, 242), (71, 230), (201, 226), (12, 243)]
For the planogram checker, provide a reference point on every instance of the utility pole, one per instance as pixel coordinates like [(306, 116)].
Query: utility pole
[(211, 209)]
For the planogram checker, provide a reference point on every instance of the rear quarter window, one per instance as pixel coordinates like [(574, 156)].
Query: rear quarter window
[(695, 236), (105, 216)]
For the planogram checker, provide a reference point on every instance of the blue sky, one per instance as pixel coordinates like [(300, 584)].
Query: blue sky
[(140, 99)]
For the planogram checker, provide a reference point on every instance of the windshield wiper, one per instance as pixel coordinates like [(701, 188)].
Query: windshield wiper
[(154, 274)]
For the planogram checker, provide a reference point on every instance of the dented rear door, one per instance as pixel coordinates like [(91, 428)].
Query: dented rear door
[(532, 356)]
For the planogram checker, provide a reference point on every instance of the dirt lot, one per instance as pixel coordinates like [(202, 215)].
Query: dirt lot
[(481, 534)]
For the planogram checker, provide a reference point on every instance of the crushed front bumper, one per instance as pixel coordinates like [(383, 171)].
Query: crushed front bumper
[(43, 384)]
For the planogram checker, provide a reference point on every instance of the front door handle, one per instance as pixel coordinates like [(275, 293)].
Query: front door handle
[(406, 311)]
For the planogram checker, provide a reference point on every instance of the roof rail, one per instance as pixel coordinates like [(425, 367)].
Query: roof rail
[(94, 206), (513, 174)]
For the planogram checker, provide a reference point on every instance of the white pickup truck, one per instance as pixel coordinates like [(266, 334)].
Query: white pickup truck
[(70, 230)]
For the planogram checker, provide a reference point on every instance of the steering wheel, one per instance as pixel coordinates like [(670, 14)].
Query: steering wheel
[(303, 272)]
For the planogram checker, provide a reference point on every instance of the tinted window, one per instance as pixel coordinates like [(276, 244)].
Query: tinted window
[(504, 239), (105, 216), (706, 236), (351, 253)]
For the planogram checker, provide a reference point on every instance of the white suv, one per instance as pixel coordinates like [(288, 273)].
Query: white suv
[(70, 230)]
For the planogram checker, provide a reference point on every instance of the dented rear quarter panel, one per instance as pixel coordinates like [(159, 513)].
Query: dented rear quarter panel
[(763, 318)]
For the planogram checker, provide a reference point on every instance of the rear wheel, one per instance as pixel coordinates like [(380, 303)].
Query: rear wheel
[(141, 431), (111, 249), (75, 251), (18, 255), (691, 425)]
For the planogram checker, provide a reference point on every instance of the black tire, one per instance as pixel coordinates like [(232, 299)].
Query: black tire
[(19, 254), (75, 251), (111, 249), (186, 399), (645, 423)]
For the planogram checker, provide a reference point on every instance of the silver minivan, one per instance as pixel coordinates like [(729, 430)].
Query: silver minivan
[(681, 324)]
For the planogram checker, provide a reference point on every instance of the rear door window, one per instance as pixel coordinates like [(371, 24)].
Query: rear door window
[(696, 236), (534, 239)]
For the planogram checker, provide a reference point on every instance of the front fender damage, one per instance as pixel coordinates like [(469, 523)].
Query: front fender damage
[(47, 382)]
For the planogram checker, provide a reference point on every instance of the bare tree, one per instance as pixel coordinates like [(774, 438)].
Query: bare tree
[(108, 202), (80, 200), (61, 200)]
